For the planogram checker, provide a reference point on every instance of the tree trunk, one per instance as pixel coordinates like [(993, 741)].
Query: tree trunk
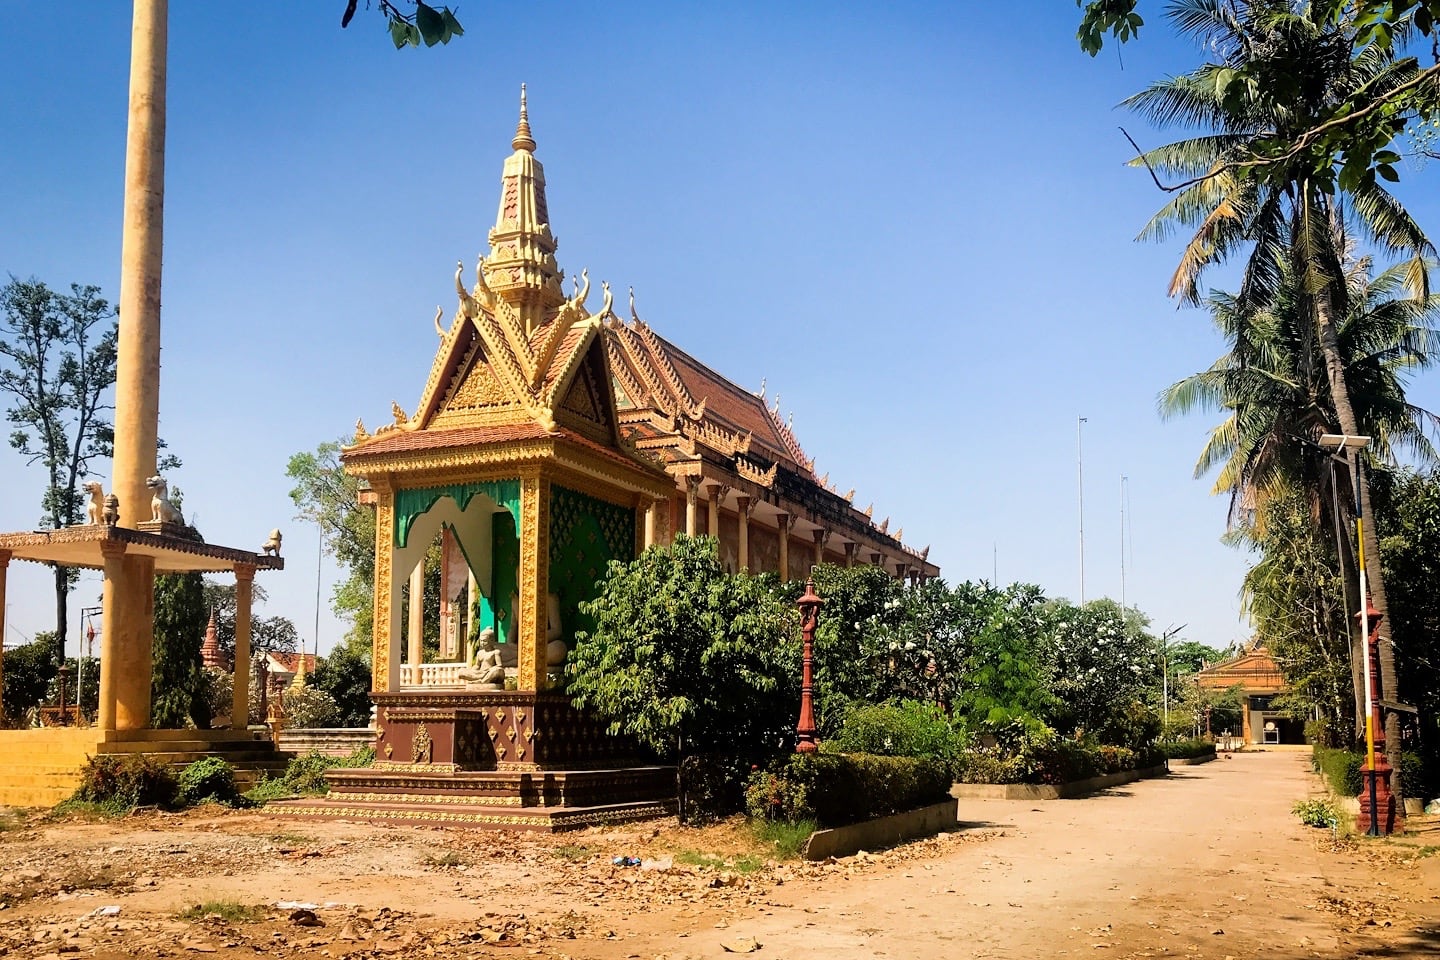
[(1340, 396), (62, 611)]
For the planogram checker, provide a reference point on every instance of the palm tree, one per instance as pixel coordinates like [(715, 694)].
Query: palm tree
[(1273, 386), (1278, 211)]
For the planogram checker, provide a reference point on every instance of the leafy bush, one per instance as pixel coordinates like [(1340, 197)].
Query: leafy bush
[(306, 774), (1187, 749), (126, 780), (682, 648), (207, 780), (839, 788), (1340, 768), (1040, 756), (907, 729), (1317, 812), (1416, 779), (713, 785)]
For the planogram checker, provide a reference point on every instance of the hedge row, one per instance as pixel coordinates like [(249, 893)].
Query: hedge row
[(1187, 749), (1052, 762), (834, 789)]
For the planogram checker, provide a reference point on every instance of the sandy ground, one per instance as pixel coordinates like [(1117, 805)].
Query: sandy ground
[(1208, 863)]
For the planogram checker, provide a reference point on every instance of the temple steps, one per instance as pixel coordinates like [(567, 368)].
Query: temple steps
[(547, 800), (491, 816)]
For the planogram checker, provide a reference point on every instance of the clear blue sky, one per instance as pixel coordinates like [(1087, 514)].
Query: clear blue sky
[(912, 219)]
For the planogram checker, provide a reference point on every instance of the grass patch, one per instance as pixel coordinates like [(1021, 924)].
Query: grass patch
[(447, 859), (781, 838), (232, 911), (572, 852), (91, 809), (745, 863), (290, 839)]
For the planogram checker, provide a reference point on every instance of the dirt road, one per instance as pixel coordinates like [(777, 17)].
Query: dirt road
[(1208, 863)]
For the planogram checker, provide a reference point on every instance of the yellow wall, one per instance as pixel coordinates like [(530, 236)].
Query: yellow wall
[(39, 768)]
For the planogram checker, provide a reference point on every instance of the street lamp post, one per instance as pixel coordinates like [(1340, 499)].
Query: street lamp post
[(1377, 803), (809, 605)]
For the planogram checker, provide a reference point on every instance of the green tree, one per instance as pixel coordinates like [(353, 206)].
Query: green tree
[(1003, 657), (345, 676), (57, 359), (324, 494), (1272, 384), (1409, 528), (1295, 596), (267, 634), (1297, 70), (178, 686), (1356, 129), (852, 664), (29, 669), (429, 24), (683, 649)]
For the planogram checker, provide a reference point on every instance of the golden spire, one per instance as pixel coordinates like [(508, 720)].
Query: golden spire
[(523, 140)]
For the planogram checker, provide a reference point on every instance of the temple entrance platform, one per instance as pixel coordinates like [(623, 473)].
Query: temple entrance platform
[(510, 759)]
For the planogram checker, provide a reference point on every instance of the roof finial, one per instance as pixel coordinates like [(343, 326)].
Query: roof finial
[(523, 140)]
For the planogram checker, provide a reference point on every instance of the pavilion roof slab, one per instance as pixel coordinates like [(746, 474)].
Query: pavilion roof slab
[(83, 546)]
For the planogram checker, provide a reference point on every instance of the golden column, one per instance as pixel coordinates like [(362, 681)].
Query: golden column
[(4, 571), (244, 597), (384, 628), (534, 579), (129, 594)]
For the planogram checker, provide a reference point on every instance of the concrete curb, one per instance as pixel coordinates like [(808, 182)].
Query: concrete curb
[(881, 832), (1047, 791), (1191, 761)]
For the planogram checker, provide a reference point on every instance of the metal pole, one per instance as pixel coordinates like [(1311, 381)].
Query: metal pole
[(1374, 830), (1080, 474), (1123, 480)]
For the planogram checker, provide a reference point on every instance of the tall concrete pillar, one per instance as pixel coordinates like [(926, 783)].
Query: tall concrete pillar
[(718, 493), (244, 600), (129, 593)]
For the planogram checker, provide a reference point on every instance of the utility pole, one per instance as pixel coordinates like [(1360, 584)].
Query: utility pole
[(1080, 472)]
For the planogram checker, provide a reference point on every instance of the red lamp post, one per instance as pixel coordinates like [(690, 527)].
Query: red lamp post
[(1378, 816), (809, 605)]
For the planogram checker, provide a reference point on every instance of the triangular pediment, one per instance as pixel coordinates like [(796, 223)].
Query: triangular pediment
[(588, 402)]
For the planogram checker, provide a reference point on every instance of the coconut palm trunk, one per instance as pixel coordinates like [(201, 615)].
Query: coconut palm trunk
[(1375, 580)]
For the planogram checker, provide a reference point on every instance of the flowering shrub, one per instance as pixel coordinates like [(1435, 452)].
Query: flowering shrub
[(907, 729)]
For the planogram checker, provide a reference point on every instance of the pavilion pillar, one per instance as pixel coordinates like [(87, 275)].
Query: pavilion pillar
[(4, 573), (783, 523), (416, 621), (875, 559), (128, 604), (692, 506), (745, 506), (534, 580), (718, 493), (652, 522), (244, 602), (900, 570), (850, 547), (822, 537), (385, 625)]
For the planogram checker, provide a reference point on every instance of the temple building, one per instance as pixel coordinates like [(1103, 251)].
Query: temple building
[(519, 362), (549, 440), (1254, 675)]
